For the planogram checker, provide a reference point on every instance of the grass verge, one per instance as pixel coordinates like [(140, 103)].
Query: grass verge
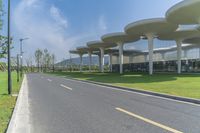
[(186, 85), (7, 102)]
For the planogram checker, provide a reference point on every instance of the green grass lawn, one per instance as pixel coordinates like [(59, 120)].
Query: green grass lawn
[(7, 102), (187, 85)]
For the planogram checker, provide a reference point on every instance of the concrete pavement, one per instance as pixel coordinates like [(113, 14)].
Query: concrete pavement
[(59, 105)]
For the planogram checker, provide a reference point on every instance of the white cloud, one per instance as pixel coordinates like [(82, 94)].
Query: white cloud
[(48, 29), (102, 23), (45, 30), (56, 15)]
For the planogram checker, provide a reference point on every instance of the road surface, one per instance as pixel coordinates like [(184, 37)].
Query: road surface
[(60, 105)]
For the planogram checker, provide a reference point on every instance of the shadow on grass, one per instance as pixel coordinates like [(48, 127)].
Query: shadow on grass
[(125, 78)]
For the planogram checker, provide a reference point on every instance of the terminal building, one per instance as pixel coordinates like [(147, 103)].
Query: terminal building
[(182, 56)]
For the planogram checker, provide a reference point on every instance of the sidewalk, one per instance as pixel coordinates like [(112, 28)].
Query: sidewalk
[(19, 122)]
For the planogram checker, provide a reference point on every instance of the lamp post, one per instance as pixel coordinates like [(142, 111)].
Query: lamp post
[(8, 47), (21, 55)]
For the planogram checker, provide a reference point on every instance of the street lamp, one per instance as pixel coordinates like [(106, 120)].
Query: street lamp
[(8, 48), (21, 55)]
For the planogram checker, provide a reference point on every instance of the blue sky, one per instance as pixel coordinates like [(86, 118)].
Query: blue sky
[(61, 25)]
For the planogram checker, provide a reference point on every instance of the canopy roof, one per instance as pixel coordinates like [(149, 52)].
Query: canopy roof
[(74, 52), (185, 12), (181, 34), (119, 37), (195, 40), (86, 49), (100, 44), (154, 26)]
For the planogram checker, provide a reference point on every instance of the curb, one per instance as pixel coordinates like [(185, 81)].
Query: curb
[(178, 98), (19, 122)]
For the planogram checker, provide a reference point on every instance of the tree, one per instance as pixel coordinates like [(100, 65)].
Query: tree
[(38, 58), (53, 58)]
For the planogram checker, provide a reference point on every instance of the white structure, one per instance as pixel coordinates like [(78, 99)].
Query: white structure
[(179, 37), (150, 28), (120, 39), (101, 46)]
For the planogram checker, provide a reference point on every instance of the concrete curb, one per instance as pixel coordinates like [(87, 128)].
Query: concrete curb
[(178, 98), (19, 122)]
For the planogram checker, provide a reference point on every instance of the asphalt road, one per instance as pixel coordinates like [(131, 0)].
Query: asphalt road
[(59, 105)]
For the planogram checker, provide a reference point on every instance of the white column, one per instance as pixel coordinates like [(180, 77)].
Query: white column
[(81, 61), (110, 61), (99, 62), (90, 60), (150, 46), (179, 50), (121, 57), (102, 59)]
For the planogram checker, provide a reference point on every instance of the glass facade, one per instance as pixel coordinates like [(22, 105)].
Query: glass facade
[(163, 61)]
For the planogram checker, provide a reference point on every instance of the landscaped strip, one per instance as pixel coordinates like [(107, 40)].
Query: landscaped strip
[(7, 102), (185, 85)]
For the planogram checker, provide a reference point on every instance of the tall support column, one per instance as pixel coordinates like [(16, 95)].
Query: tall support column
[(102, 59), (179, 54), (110, 62), (90, 60), (121, 57), (150, 47), (81, 62)]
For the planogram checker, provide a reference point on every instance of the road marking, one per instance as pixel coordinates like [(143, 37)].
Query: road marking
[(66, 87), (149, 121), (147, 95), (49, 80)]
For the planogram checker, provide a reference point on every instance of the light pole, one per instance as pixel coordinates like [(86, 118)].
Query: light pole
[(8, 47), (21, 55)]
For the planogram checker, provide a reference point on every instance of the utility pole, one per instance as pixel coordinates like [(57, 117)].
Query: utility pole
[(21, 56), (8, 47)]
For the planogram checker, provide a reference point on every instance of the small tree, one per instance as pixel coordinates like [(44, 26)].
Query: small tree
[(38, 58)]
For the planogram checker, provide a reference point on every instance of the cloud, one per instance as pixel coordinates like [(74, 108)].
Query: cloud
[(102, 23), (45, 29), (56, 15)]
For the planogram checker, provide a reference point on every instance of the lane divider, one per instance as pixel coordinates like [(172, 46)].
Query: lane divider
[(49, 80), (148, 121), (66, 87)]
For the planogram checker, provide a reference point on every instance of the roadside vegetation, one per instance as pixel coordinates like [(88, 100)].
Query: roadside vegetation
[(7, 102), (186, 85)]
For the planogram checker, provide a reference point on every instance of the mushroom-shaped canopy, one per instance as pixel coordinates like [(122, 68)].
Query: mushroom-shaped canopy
[(86, 49), (195, 40), (100, 44), (75, 52), (153, 26), (119, 37), (179, 35), (185, 12)]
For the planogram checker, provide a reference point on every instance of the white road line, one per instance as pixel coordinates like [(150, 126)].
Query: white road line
[(49, 80), (147, 95), (66, 87), (148, 121)]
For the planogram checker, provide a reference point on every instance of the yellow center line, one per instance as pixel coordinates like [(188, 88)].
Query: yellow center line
[(149, 121), (66, 87)]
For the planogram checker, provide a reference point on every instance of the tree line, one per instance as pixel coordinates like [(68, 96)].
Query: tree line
[(44, 60)]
